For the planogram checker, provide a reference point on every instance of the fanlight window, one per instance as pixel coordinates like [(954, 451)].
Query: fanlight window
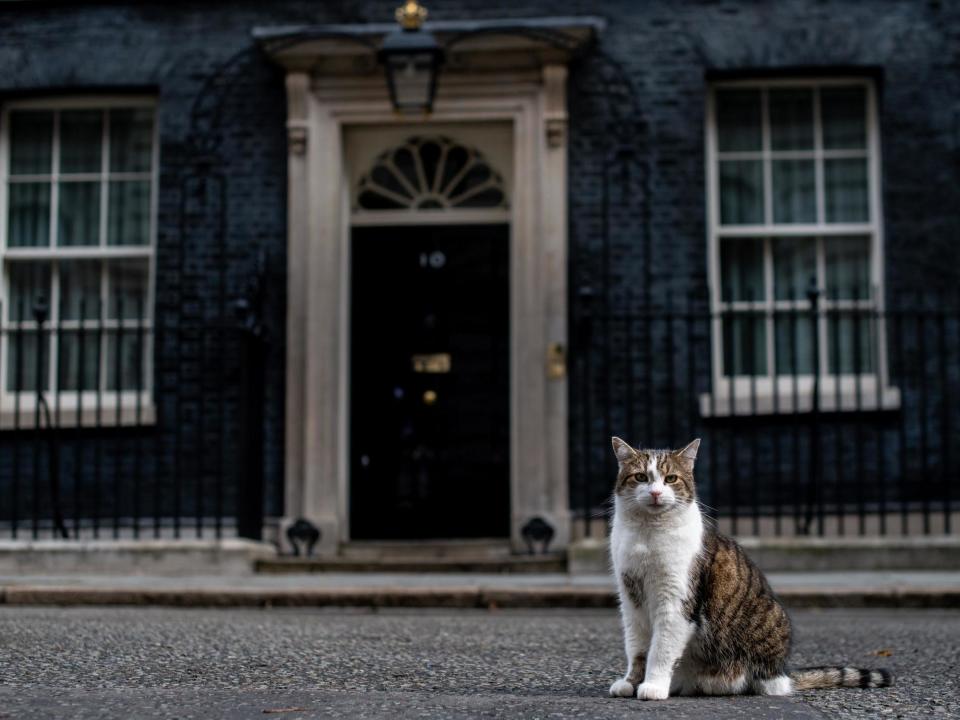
[(431, 173)]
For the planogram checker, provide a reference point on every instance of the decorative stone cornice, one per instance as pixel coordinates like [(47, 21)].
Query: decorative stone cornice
[(471, 46)]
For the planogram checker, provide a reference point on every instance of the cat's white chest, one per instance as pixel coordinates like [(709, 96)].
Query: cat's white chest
[(659, 557)]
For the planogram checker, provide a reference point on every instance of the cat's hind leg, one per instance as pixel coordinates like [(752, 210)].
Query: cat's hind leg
[(723, 681), (777, 685), (684, 680)]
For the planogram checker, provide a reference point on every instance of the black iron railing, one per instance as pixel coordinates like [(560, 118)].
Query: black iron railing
[(96, 441), (826, 415)]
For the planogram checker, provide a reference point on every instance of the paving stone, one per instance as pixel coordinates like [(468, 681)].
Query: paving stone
[(164, 663)]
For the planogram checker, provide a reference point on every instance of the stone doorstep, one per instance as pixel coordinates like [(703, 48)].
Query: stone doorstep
[(411, 563), (591, 556), (451, 597), (488, 548), (485, 555), (233, 556)]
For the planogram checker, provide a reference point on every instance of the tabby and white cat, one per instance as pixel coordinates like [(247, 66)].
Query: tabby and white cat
[(698, 615)]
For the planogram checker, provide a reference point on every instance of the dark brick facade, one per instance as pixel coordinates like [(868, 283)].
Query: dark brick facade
[(637, 181)]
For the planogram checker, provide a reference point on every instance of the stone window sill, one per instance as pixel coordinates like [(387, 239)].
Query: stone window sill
[(128, 415), (787, 402)]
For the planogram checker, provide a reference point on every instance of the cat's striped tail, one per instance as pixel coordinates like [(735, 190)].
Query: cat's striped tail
[(835, 677)]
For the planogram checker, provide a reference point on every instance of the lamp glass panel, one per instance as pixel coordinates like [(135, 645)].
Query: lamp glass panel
[(412, 80)]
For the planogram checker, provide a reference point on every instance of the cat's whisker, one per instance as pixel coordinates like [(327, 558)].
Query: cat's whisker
[(706, 514), (704, 506), (711, 523)]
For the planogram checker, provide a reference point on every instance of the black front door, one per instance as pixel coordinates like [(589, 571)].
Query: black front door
[(429, 388)]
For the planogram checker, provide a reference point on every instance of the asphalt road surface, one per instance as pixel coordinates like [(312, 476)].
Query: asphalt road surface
[(162, 663)]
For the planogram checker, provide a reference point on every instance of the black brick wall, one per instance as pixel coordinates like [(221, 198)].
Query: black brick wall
[(637, 228)]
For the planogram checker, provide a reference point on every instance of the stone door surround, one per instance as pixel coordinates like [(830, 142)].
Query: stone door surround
[(333, 85)]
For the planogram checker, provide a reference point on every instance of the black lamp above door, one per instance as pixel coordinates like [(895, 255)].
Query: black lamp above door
[(411, 57)]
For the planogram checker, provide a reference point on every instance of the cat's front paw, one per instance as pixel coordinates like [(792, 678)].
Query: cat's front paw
[(621, 688), (649, 691)]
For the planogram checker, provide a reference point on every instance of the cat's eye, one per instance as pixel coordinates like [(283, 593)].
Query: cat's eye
[(640, 477), (670, 479)]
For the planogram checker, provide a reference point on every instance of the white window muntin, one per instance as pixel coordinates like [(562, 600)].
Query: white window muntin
[(819, 231), (103, 396)]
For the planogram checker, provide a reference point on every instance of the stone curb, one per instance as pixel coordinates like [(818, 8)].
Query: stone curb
[(459, 597)]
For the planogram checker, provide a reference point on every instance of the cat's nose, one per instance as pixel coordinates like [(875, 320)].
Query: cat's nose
[(655, 494)]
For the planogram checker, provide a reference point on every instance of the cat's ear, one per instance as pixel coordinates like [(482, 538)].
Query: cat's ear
[(689, 452), (623, 451)]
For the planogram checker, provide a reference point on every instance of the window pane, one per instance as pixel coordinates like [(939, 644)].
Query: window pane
[(22, 359), (131, 140), (79, 214), (844, 117), (28, 221), (744, 344), (132, 372), (741, 269), (846, 190), (79, 288), (741, 192), (794, 343), (794, 191), (848, 267), (129, 213), (31, 142), (843, 349), (794, 265), (791, 119), (738, 120), (26, 281), (80, 137), (73, 371), (127, 289)]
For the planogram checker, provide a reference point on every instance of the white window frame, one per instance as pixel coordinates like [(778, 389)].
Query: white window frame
[(764, 394), (103, 407)]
